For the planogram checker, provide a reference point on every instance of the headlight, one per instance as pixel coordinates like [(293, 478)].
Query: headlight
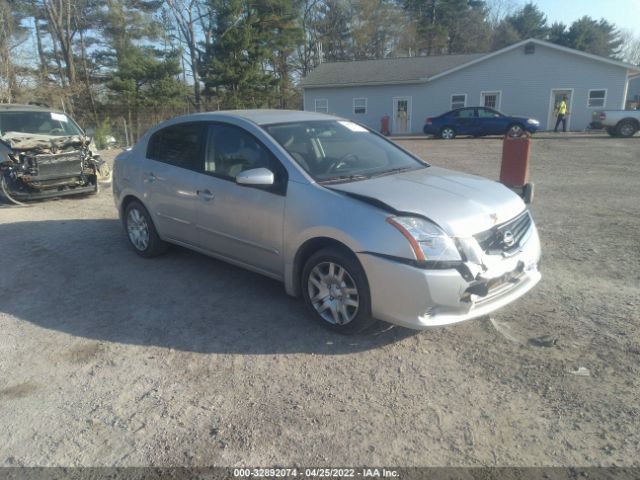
[(429, 243), (532, 121)]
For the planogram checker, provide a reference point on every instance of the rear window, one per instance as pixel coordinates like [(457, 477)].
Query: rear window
[(179, 145)]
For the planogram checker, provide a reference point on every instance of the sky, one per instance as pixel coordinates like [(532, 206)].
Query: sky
[(624, 13)]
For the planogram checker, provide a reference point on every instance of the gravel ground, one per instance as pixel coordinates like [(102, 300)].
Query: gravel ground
[(110, 359)]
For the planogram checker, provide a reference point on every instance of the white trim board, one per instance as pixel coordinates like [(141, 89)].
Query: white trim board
[(551, 122), (490, 92), (604, 100), (409, 113)]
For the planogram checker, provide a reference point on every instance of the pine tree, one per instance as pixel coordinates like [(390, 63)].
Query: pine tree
[(593, 36)]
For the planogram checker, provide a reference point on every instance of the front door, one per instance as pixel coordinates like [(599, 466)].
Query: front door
[(401, 115), (556, 97), (242, 223)]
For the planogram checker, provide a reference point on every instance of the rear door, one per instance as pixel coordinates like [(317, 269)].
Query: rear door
[(242, 223), (465, 121), (174, 155)]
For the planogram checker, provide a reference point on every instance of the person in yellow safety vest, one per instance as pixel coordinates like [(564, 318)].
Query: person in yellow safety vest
[(561, 112)]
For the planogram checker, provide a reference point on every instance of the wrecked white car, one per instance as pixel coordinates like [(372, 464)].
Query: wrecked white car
[(44, 154)]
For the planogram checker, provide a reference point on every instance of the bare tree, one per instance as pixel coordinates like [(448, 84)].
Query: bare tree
[(62, 25), (497, 10), (8, 25), (188, 16), (630, 47)]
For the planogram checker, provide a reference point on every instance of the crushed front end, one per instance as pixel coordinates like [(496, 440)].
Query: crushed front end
[(34, 167)]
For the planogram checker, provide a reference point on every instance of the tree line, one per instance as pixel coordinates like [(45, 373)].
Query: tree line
[(94, 58)]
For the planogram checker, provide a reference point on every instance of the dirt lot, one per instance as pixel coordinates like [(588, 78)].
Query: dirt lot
[(109, 359)]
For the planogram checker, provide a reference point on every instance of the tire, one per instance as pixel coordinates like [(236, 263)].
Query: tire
[(336, 291), (515, 130), (527, 193), (626, 129), (447, 133), (611, 131), (141, 232)]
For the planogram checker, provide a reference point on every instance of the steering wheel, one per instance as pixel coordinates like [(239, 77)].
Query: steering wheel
[(56, 130), (343, 161)]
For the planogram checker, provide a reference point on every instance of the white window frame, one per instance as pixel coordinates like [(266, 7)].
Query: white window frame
[(604, 99), (325, 109), (365, 106), (458, 95), (498, 93)]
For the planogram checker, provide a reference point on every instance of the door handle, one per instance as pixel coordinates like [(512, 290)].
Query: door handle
[(206, 195), (150, 178)]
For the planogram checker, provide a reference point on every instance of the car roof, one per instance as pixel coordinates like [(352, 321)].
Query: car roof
[(263, 117), (15, 107)]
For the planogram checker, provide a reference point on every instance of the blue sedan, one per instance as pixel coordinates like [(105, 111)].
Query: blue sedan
[(478, 121)]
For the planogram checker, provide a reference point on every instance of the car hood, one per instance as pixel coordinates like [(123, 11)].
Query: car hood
[(460, 204), (32, 141)]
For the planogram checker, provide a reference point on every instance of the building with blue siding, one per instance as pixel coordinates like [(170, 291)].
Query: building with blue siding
[(524, 79)]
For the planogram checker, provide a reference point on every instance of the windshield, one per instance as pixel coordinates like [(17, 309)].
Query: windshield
[(339, 150), (37, 122)]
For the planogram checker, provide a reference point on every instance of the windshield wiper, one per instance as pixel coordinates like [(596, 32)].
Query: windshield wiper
[(344, 178), (392, 171)]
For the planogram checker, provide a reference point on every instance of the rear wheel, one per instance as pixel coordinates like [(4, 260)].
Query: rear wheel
[(447, 133), (141, 232), (335, 289), (626, 128)]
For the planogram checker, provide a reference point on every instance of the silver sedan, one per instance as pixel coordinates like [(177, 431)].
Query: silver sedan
[(359, 227)]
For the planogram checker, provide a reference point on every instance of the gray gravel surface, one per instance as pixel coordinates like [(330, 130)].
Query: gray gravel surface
[(110, 359)]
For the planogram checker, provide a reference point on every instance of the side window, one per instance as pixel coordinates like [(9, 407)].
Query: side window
[(231, 150), (466, 113), (179, 145), (486, 113)]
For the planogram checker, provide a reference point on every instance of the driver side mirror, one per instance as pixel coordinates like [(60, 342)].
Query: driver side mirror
[(256, 177)]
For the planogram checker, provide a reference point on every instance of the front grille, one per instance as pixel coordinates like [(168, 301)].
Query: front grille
[(505, 237), (57, 165)]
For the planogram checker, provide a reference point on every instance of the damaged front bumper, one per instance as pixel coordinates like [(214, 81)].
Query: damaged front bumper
[(420, 298), (39, 175)]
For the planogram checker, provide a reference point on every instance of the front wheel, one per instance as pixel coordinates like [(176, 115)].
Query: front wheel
[(141, 232), (626, 129), (515, 130), (447, 133), (335, 289)]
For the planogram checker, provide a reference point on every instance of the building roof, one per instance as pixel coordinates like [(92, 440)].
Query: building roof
[(390, 71), (385, 71)]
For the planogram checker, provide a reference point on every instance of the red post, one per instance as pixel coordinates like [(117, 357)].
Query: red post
[(384, 125), (514, 171)]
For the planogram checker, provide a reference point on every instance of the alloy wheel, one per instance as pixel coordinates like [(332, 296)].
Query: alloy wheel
[(626, 129), (448, 133), (516, 131), (333, 293), (138, 229)]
